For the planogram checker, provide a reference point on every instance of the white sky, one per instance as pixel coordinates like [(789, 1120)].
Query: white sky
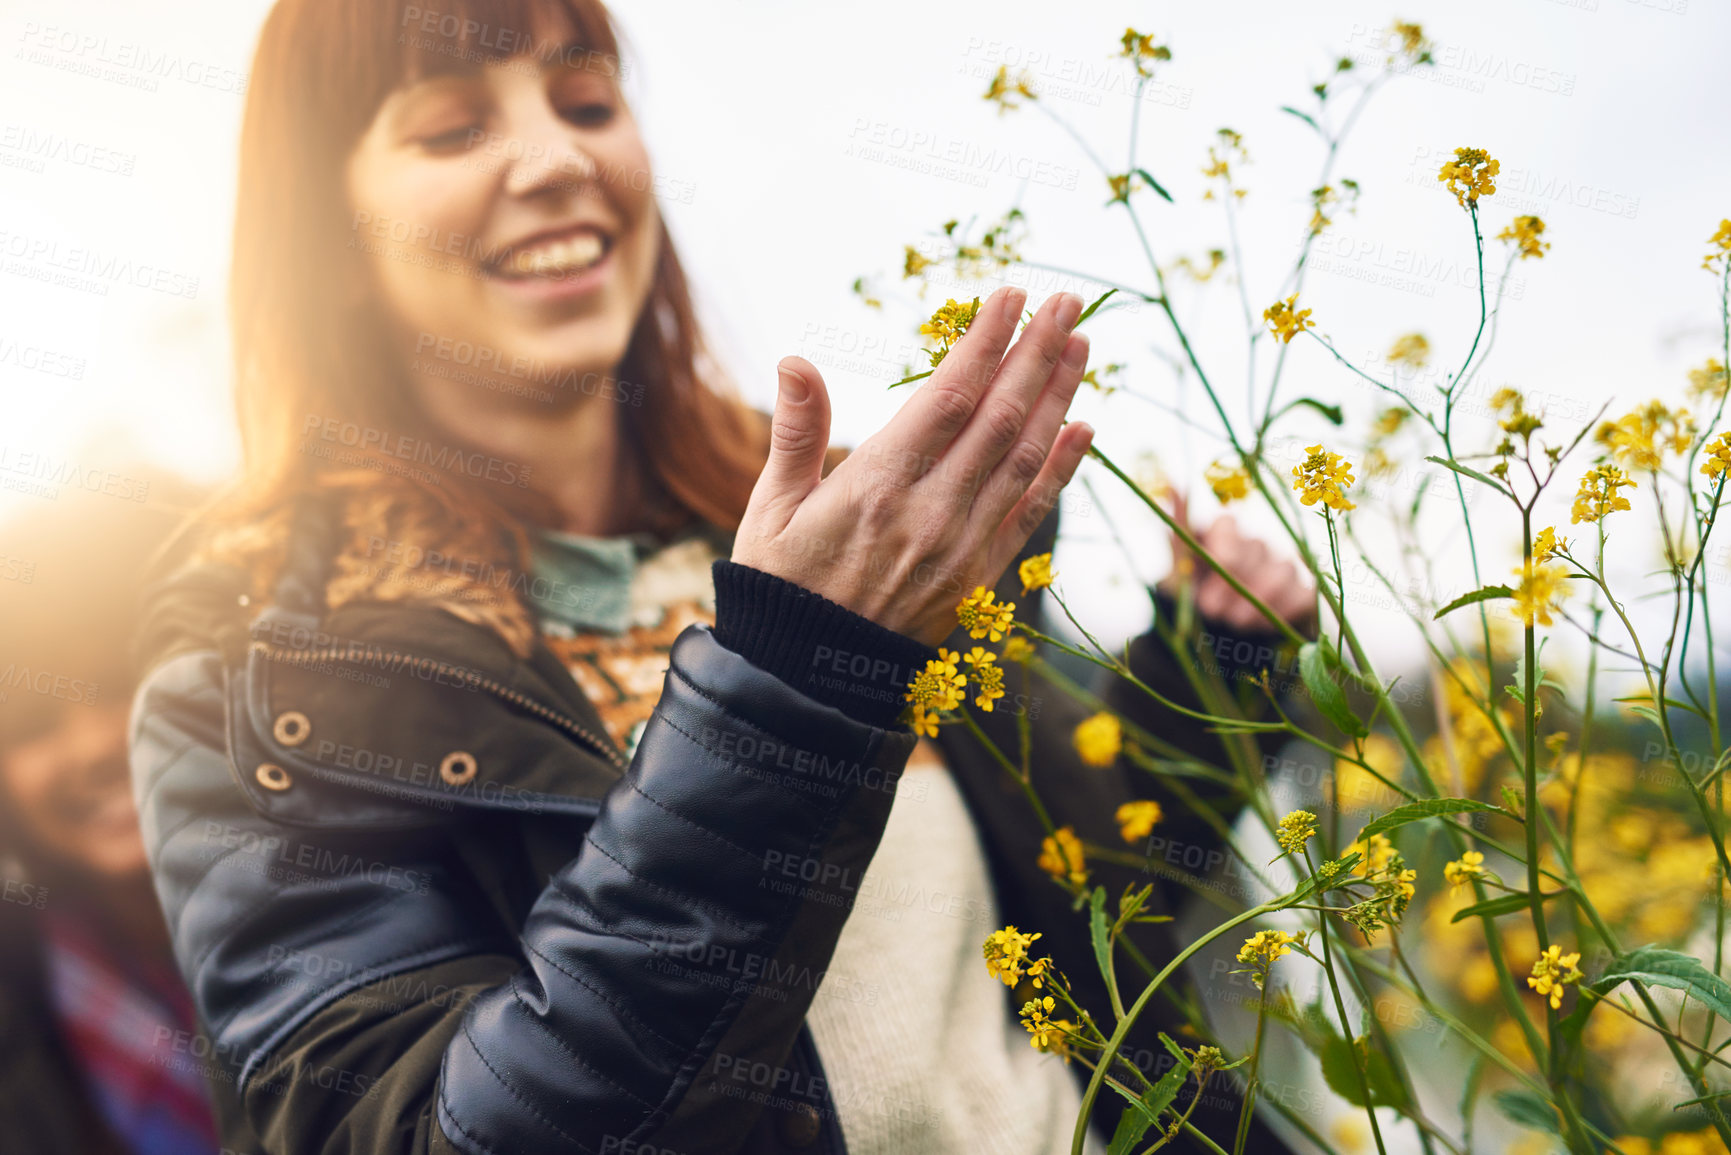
[(813, 140)]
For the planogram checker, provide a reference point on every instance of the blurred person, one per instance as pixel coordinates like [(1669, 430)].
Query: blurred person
[(524, 728), (95, 1016)]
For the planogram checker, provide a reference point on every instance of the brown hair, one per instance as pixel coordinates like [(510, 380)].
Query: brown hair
[(303, 349)]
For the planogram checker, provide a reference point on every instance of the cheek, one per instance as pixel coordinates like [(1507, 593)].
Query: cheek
[(419, 224)]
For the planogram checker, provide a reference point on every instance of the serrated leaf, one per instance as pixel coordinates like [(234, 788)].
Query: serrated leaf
[(1465, 471), (1656, 967), (1097, 931), (1424, 808), (1529, 1109), (1484, 594), (1145, 1112), (1314, 668), (1503, 904), (1155, 185)]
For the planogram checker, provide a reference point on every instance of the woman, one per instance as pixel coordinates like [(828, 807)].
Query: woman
[(516, 751)]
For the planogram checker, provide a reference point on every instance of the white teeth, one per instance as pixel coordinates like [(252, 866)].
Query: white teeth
[(558, 257)]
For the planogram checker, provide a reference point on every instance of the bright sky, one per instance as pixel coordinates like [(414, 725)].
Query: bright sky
[(809, 142)]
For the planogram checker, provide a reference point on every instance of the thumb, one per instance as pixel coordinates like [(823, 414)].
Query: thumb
[(798, 438)]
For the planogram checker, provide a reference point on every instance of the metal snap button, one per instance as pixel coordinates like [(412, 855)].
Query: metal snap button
[(801, 1126), (458, 768), (292, 728), (272, 777)]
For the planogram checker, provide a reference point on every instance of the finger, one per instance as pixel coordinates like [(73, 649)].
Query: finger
[(923, 429), (1068, 450), (1006, 484), (1004, 411), (1213, 597), (798, 437)]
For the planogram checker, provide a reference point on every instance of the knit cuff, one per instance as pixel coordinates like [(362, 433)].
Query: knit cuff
[(824, 650)]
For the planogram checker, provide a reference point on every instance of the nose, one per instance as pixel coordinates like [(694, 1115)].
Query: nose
[(547, 156)]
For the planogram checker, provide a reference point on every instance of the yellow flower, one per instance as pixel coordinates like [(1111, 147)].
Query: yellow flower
[(1640, 438), (1470, 175), (1005, 92), (987, 676), (1018, 649), (1136, 820), (922, 721), (1412, 350), (939, 686), (1036, 573), (1413, 44), (1541, 588), (1229, 482), (1323, 477), (1524, 234), (1138, 47), (1721, 250), (1285, 320), (1006, 951), (1120, 186), (1547, 545), (1295, 830), (1061, 856), (948, 324), (1598, 494), (1718, 456), (1327, 197), (1263, 949), (1042, 1028), (1708, 382), (913, 262), (1099, 738), (982, 615), (1470, 865), (1374, 856), (1552, 972)]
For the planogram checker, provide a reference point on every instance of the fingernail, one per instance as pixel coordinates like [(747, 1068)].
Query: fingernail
[(1076, 351), (1013, 302), (1069, 308), (793, 385)]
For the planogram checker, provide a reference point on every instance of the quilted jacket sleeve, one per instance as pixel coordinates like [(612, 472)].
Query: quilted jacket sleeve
[(372, 1012)]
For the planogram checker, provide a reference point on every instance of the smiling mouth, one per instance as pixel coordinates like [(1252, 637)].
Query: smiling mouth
[(553, 258)]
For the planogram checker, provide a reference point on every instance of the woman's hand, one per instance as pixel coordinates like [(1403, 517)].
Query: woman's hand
[(1278, 583), (943, 497)]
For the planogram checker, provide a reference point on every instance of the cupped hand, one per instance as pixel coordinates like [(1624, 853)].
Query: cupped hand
[(944, 496), (1277, 582)]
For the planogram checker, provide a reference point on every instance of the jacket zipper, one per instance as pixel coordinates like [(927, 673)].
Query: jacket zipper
[(395, 659)]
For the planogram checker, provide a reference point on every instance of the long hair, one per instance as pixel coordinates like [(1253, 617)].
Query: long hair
[(312, 344)]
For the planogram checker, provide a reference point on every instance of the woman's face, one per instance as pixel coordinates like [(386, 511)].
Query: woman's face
[(69, 792), (511, 209)]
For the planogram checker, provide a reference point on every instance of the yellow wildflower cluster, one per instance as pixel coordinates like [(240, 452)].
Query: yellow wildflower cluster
[(1324, 201), (1410, 44), (1718, 457), (914, 262), (1547, 545), (1263, 949), (1035, 1017), (1541, 589), (1294, 830), (1018, 649), (1120, 186), (1006, 93), (1061, 856), (1286, 320), (947, 326), (982, 615), (1036, 573), (1381, 865), (1139, 48), (1640, 438), (1228, 150), (1470, 175), (1136, 820), (1707, 383), (1099, 738), (1720, 253), (1007, 953), (1196, 270), (1598, 494), (1552, 972), (986, 675), (1412, 350), (1229, 482), (1323, 477), (935, 689), (1705, 1142), (1470, 865), (1525, 233)]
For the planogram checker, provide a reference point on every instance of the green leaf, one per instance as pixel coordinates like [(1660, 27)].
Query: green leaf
[(1098, 301), (1339, 1072), (1155, 185), (1304, 116), (1479, 595), (1332, 412), (1658, 967), (1464, 471), (1504, 904), (1097, 931), (1145, 1112), (907, 380), (1529, 1109), (1424, 808), (1315, 667)]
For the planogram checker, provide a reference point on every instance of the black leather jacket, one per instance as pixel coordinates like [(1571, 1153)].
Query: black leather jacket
[(424, 904)]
